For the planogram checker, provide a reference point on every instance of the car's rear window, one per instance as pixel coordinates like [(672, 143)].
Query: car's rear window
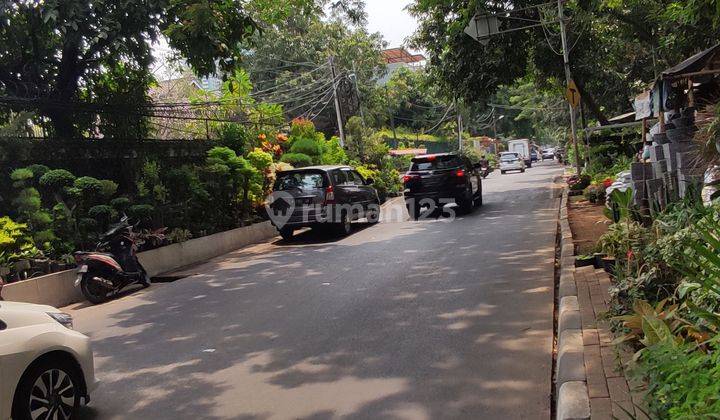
[(509, 157), (303, 180), (429, 163)]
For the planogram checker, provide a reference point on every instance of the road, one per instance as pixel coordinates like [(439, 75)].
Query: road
[(432, 319)]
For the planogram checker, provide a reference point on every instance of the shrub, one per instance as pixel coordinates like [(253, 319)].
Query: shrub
[(57, 179), (120, 204), (297, 160), (108, 188), (579, 183), (15, 242), (88, 186), (682, 381), (103, 213), (595, 193), (21, 177), (141, 212), (306, 146)]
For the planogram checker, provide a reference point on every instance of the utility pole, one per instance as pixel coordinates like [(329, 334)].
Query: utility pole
[(392, 116), (357, 92), (459, 123), (337, 102), (568, 78)]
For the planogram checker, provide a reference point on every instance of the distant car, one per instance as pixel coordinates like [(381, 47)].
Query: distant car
[(548, 154), (46, 368), (323, 196), (438, 178), (511, 161), (533, 156)]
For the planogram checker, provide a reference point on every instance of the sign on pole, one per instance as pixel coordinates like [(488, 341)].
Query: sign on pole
[(480, 28), (572, 94)]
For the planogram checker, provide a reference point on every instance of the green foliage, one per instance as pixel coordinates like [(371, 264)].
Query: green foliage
[(298, 160), (120, 204), (306, 146), (21, 177), (683, 382), (333, 153), (15, 242), (108, 61), (57, 180), (141, 212)]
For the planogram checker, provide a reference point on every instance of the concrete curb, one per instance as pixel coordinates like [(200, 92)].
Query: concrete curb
[(58, 289), (572, 399)]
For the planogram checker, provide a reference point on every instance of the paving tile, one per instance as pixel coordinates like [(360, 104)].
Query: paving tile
[(590, 337), (623, 410), (600, 409), (618, 389), (607, 354), (595, 376), (604, 333)]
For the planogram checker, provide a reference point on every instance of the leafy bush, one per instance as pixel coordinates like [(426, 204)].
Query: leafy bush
[(306, 146), (56, 180), (683, 383), (297, 160), (141, 212), (120, 204), (595, 193), (579, 183), (15, 242)]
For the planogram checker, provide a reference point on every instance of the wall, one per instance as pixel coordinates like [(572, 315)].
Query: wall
[(58, 289)]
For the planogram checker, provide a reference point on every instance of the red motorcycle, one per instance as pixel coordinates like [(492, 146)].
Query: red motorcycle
[(112, 267)]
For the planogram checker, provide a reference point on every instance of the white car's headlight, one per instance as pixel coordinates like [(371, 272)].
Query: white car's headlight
[(65, 319)]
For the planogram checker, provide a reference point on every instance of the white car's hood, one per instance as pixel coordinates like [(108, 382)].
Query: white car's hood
[(30, 307)]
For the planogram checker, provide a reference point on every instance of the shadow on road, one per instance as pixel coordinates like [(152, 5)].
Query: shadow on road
[(438, 320)]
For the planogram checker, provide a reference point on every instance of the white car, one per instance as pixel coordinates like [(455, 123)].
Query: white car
[(46, 368), (511, 161)]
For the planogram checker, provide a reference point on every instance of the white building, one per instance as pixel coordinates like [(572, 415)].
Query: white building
[(396, 58)]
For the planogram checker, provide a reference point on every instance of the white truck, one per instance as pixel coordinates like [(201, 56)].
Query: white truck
[(521, 147)]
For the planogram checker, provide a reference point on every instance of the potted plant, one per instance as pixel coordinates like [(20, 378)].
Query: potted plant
[(584, 260)]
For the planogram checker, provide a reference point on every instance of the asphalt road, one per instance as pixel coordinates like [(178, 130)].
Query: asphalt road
[(440, 318)]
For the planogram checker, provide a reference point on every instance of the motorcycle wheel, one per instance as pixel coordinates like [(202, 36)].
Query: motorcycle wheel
[(92, 291)]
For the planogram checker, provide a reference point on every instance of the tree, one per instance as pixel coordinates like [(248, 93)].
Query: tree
[(58, 53), (288, 63), (616, 46)]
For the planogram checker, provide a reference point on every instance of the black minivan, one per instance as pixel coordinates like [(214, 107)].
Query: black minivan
[(317, 196)]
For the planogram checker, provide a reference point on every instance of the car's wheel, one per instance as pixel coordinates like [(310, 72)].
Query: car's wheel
[(502, 172), (373, 213), (286, 232), (49, 390), (93, 291), (343, 227), (466, 204)]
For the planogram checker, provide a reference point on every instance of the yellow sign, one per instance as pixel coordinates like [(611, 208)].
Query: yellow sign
[(572, 94)]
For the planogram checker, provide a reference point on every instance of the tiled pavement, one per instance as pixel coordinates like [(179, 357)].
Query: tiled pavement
[(610, 395)]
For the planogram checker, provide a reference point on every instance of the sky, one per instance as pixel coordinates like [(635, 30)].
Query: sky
[(390, 19)]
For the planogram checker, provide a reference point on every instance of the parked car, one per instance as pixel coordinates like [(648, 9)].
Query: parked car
[(533, 156), (548, 154), (46, 368), (511, 161), (322, 196), (441, 178)]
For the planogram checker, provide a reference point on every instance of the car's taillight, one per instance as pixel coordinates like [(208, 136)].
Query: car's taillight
[(329, 195), (408, 178), (460, 173)]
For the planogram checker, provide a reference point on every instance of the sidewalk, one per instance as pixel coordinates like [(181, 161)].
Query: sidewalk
[(610, 394)]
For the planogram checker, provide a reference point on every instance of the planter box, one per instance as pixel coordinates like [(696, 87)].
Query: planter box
[(58, 289)]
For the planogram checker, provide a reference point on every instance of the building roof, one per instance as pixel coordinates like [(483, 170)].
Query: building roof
[(401, 55), (695, 63)]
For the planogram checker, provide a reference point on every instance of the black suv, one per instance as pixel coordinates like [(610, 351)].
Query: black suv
[(441, 178), (321, 196)]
